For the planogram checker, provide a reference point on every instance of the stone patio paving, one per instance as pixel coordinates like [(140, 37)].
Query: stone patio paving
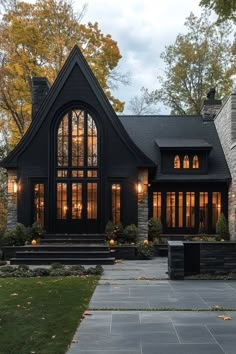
[(128, 289)]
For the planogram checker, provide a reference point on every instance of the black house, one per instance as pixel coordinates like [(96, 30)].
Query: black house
[(80, 165)]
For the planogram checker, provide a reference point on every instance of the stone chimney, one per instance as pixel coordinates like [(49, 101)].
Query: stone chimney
[(40, 88), (211, 106)]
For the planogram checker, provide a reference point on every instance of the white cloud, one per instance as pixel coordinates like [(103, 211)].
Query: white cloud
[(142, 29)]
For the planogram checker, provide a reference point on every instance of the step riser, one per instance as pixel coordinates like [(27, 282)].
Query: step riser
[(63, 261), (83, 236), (62, 248), (71, 241), (62, 255)]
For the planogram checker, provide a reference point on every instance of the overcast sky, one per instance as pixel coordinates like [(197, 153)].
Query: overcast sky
[(142, 29)]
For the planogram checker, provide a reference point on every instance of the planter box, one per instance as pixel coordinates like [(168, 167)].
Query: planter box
[(124, 252)]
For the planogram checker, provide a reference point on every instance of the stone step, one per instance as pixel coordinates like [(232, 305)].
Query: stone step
[(45, 261), (63, 254), (75, 236), (62, 247), (71, 240)]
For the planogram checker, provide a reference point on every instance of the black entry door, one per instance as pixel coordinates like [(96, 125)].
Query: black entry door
[(77, 207)]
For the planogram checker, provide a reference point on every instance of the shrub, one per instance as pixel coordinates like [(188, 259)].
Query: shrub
[(3, 263), (77, 268), (154, 228), (7, 269), (98, 270), (17, 236), (37, 229), (222, 231), (57, 265), (40, 272), (145, 250), (109, 230), (118, 233), (131, 233)]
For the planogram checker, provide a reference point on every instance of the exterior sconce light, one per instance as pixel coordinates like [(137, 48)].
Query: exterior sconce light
[(15, 187), (139, 188)]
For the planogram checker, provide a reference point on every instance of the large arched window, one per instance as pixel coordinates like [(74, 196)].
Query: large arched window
[(186, 162), (195, 161), (77, 140), (77, 166), (177, 162)]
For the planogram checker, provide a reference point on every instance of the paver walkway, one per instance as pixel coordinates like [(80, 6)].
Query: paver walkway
[(122, 319)]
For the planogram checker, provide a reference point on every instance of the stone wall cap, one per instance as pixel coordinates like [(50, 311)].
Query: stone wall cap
[(175, 243)]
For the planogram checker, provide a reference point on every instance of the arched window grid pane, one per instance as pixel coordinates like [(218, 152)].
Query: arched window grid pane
[(186, 162), (63, 142), (195, 161), (177, 162)]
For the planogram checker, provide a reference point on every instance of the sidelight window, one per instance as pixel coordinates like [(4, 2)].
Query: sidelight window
[(115, 196), (216, 207), (39, 203), (156, 205)]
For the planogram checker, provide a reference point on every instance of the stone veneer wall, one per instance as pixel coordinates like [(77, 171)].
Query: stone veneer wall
[(143, 205), (225, 123), (11, 200)]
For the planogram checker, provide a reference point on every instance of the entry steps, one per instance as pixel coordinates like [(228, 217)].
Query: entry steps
[(66, 249)]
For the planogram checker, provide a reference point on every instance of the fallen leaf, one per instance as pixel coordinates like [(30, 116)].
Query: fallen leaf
[(53, 337), (14, 294), (227, 318), (74, 341), (87, 313)]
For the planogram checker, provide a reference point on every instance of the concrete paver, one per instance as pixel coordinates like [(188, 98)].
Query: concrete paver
[(114, 326)]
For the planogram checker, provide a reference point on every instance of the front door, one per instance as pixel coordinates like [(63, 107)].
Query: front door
[(77, 210), (76, 186)]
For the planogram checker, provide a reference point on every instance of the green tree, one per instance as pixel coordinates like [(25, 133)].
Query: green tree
[(225, 9), (35, 40), (222, 231), (200, 59)]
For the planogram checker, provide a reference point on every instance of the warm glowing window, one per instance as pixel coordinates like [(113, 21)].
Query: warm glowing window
[(156, 200), (180, 209), (92, 173), (77, 200), (77, 140), (91, 142), (39, 203), (170, 209), (177, 162), (77, 173), (186, 162), (62, 173), (77, 137), (63, 142), (92, 200), (115, 196), (203, 211), (216, 207), (190, 209), (62, 206), (195, 161)]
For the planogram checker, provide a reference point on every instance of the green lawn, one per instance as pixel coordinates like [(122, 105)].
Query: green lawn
[(40, 315)]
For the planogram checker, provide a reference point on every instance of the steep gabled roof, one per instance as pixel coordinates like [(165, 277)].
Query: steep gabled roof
[(75, 58), (146, 130)]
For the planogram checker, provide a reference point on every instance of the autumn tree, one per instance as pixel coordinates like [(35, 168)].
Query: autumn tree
[(200, 59), (225, 9), (35, 40)]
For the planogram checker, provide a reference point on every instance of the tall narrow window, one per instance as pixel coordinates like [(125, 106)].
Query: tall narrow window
[(177, 162), (203, 211), (216, 208), (92, 142), (63, 142), (156, 200), (39, 203), (77, 203), (92, 200), (181, 211), (186, 162), (190, 209), (195, 161), (170, 209), (62, 206), (77, 138), (115, 196)]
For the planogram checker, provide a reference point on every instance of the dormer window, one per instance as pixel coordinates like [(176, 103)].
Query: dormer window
[(177, 162), (195, 161), (186, 162)]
